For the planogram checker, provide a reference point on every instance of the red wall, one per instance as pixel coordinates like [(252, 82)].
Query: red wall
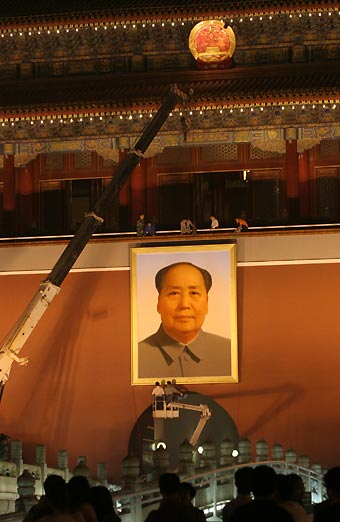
[(75, 394)]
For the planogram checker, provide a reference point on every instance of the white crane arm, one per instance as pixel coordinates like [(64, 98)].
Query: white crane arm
[(17, 337)]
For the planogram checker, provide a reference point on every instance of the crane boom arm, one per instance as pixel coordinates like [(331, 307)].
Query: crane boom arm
[(17, 337), (205, 416)]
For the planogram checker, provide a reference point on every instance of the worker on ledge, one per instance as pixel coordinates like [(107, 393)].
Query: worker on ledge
[(241, 225)]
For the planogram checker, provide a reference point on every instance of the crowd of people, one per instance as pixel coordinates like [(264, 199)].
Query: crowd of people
[(266, 496), (73, 501), (262, 496)]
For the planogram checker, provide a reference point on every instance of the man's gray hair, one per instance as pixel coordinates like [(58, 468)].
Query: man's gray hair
[(159, 279)]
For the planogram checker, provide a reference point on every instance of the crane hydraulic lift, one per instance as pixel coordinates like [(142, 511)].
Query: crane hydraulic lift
[(50, 287), (171, 410)]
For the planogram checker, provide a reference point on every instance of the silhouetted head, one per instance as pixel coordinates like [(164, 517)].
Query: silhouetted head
[(264, 480), (79, 490), (169, 484), (56, 492), (243, 480), (332, 483), (101, 501)]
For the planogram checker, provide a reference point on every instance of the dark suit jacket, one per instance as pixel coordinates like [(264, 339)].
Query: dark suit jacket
[(160, 356)]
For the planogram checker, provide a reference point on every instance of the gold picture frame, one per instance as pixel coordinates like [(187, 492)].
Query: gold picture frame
[(213, 355)]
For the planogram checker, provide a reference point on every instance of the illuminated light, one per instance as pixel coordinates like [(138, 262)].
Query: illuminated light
[(334, 106), (20, 34), (234, 453), (77, 29), (201, 112), (261, 18), (163, 24), (124, 27), (191, 113), (231, 110), (134, 26), (270, 18), (152, 25), (329, 14), (313, 106), (221, 111), (67, 30), (120, 117), (251, 109), (303, 107), (71, 120), (231, 20), (150, 115), (290, 16), (2, 124), (11, 34), (61, 121), (51, 121), (41, 122), (130, 117), (282, 108), (2, 36), (293, 107), (324, 106), (309, 14), (181, 113), (251, 18), (241, 19), (300, 15), (241, 110), (261, 108), (80, 119), (182, 23), (200, 450), (173, 23), (100, 117), (48, 32), (12, 123), (143, 25), (319, 14), (141, 115), (161, 445), (31, 122)]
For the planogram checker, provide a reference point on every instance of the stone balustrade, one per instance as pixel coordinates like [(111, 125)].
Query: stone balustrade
[(209, 467)]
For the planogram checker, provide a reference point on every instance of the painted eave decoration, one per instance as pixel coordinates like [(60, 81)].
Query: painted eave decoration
[(212, 44)]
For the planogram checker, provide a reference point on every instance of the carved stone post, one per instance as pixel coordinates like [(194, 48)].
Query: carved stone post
[(186, 465), (101, 473), (81, 468), (26, 491), (261, 451), (62, 459), (244, 448), (16, 455), (226, 448)]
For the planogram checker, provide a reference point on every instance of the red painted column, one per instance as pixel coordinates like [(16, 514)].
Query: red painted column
[(25, 199), (304, 184), (292, 173), (9, 196)]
